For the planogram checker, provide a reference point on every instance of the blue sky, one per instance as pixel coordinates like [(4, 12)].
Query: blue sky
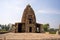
[(46, 11)]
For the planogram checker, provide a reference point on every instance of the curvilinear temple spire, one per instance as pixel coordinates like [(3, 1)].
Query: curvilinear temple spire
[(28, 23)]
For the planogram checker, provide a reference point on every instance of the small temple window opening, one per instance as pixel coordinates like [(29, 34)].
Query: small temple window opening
[(30, 19)]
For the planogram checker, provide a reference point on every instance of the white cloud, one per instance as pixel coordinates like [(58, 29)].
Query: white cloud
[(49, 11)]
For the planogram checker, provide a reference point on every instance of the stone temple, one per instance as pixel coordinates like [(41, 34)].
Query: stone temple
[(28, 23)]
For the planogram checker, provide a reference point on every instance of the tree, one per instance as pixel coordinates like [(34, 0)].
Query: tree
[(5, 27), (46, 27)]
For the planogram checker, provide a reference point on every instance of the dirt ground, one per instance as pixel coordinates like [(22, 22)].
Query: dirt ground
[(20, 36)]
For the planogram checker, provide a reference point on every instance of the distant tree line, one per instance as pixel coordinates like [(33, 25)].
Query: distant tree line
[(5, 28)]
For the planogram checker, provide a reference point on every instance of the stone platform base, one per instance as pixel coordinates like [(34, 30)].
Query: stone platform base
[(29, 36)]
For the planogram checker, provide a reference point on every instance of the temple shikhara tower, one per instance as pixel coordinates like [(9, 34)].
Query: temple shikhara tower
[(28, 23)]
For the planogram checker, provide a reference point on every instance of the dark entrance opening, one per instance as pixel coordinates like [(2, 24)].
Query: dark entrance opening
[(30, 29), (19, 27), (38, 28)]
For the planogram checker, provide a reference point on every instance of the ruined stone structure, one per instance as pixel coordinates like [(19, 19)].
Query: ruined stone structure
[(28, 23)]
